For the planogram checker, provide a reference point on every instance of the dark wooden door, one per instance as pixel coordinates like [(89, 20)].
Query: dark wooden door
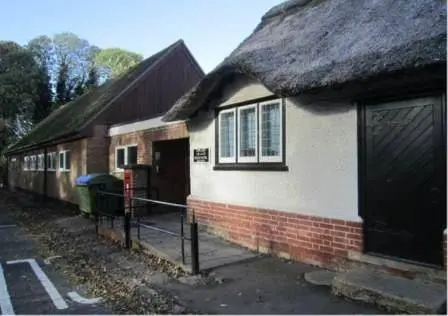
[(173, 174), (404, 179)]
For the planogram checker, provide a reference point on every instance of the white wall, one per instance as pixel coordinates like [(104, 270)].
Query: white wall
[(121, 129), (321, 154)]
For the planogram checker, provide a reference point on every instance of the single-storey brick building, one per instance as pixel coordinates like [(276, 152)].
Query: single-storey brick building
[(323, 135), (74, 139)]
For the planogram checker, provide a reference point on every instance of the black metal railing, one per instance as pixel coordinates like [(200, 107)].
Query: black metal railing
[(113, 205)]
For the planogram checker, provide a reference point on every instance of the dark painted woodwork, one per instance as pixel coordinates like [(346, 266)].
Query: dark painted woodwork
[(403, 178), (166, 81), (171, 172)]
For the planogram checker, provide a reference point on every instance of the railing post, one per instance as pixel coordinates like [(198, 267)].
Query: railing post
[(127, 225), (138, 227), (96, 212), (194, 245), (182, 238)]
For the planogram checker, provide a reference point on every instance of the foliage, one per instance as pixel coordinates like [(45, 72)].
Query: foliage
[(19, 76), (47, 72), (114, 61)]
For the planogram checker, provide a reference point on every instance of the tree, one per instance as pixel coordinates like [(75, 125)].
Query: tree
[(44, 101), (112, 62), (19, 75), (42, 50)]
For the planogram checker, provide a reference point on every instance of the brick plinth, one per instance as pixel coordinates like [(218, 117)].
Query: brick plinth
[(320, 241)]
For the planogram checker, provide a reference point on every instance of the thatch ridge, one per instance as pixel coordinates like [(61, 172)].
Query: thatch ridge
[(302, 45)]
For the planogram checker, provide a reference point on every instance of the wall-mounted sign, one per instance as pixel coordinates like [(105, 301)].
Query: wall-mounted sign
[(200, 155)]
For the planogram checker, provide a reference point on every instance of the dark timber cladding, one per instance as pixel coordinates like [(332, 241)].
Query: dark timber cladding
[(403, 178), (170, 78)]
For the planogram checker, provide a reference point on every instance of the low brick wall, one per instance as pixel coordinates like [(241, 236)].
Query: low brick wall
[(319, 241)]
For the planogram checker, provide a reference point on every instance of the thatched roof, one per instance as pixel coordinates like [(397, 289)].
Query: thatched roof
[(73, 117), (303, 45)]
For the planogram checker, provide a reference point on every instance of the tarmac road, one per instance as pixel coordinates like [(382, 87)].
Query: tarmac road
[(29, 285)]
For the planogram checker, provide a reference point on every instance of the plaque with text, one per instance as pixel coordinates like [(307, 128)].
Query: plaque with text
[(200, 155)]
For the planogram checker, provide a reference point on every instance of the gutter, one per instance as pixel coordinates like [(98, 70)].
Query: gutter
[(68, 137)]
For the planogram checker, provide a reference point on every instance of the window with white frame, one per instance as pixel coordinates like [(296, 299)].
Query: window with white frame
[(64, 160), (40, 162), (227, 124), (33, 163), (26, 163), (125, 155), (51, 161), (271, 132), (251, 134)]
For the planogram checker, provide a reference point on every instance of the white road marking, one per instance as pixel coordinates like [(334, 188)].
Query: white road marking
[(79, 299), (8, 226), (47, 261), (5, 299), (57, 299)]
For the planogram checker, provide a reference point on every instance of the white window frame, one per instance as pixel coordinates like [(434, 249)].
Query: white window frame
[(64, 168), (33, 163), (244, 159), (40, 162), (262, 158), (125, 162), (26, 160), (227, 159), (51, 156)]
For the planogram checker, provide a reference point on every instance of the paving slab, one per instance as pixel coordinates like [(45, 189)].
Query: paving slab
[(320, 277), (391, 292), (213, 251)]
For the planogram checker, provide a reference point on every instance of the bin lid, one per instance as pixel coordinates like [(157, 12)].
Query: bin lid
[(95, 178)]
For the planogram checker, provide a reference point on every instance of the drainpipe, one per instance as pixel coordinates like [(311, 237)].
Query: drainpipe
[(45, 191)]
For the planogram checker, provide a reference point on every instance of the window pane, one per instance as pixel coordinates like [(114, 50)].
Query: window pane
[(270, 130), (132, 155), (120, 158), (49, 166), (67, 160), (61, 160), (227, 135), (248, 137)]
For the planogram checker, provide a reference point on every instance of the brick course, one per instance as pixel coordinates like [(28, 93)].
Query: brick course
[(320, 241)]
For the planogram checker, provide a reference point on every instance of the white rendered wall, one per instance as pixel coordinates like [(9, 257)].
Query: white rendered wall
[(321, 154)]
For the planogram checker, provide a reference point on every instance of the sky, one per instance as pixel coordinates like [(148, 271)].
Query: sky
[(210, 28)]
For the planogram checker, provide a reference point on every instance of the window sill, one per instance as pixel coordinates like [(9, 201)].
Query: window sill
[(252, 167), (64, 170)]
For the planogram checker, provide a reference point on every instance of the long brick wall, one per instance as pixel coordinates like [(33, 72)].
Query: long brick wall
[(320, 241)]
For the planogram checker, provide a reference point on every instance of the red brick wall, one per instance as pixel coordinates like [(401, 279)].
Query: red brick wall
[(144, 140), (315, 240)]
